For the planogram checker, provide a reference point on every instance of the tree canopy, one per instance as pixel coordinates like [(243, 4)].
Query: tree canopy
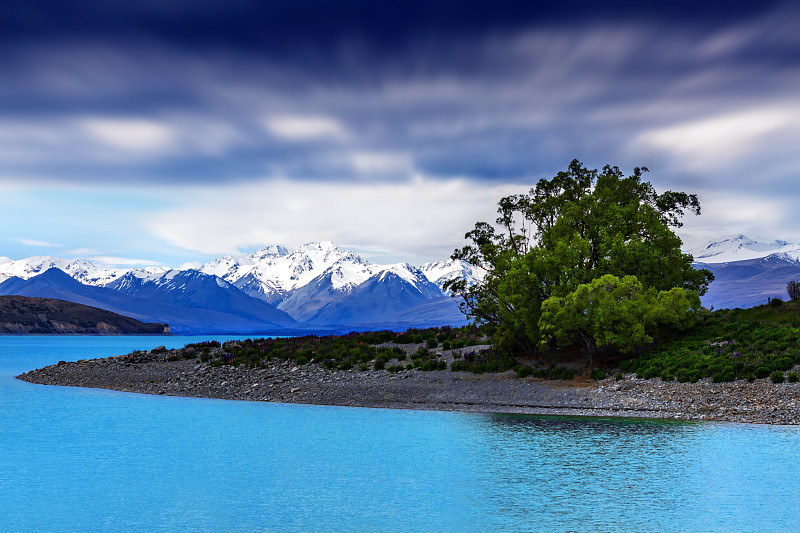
[(562, 236)]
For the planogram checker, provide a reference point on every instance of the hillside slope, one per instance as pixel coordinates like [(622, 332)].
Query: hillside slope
[(21, 314)]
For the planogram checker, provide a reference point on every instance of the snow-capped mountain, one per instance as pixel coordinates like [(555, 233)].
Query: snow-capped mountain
[(318, 284), (394, 292), (271, 273), (442, 271), (742, 248), (81, 270), (747, 271), (198, 303)]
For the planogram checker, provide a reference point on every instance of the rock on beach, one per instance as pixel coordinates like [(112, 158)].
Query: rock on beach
[(283, 381)]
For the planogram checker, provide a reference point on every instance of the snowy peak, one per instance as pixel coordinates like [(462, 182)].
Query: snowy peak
[(442, 271), (274, 271), (82, 270), (268, 252), (742, 248)]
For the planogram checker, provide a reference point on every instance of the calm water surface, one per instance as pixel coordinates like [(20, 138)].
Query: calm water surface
[(76, 459)]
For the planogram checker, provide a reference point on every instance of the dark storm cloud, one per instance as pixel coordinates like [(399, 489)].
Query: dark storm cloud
[(271, 25), (203, 91)]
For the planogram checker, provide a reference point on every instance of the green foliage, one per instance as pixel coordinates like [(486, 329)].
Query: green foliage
[(567, 232), (614, 312), (793, 377), (553, 372), (776, 377), (726, 345), (597, 374), (793, 290), (486, 360)]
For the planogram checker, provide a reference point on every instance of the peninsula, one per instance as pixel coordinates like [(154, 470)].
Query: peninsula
[(210, 371), (29, 315)]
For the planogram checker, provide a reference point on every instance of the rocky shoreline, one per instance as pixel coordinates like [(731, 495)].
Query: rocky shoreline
[(761, 402)]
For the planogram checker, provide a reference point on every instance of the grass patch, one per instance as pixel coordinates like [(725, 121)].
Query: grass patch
[(727, 345)]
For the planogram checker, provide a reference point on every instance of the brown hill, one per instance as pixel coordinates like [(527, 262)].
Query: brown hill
[(21, 315)]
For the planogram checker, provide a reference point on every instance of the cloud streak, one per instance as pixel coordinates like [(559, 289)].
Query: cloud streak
[(245, 108)]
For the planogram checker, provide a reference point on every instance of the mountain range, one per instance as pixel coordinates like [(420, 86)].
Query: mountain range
[(315, 287), (747, 271), (320, 287)]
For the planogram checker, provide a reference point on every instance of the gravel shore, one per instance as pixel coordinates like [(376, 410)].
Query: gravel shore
[(760, 402)]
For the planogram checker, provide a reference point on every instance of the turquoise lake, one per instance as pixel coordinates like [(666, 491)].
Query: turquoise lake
[(76, 459)]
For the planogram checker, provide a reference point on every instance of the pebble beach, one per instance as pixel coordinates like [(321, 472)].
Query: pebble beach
[(760, 402)]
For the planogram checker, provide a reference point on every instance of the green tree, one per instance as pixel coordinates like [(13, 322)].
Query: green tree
[(568, 231), (614, 312)]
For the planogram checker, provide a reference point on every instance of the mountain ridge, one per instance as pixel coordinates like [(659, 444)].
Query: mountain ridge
[(29, 315), (320, 285)]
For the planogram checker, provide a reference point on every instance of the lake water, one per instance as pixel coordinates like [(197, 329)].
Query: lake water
[(76, 459)]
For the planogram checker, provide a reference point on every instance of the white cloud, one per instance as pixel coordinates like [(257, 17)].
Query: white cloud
[(109, 260), (305, 128), (729, 212), (722, 140), (381, 162), (41, 244), (133, 135), (419, 220)]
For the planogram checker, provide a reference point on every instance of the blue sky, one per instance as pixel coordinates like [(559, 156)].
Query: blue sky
[(174, 131)]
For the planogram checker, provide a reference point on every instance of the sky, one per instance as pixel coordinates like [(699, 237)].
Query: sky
[(167, 132)]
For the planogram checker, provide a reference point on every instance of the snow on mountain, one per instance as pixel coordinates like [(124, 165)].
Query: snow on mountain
[(391, 292), (742, 248), (273, 272), (81, 270), (442, 271)]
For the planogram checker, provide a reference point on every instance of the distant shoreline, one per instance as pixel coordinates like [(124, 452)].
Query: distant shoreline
[(760, 402)]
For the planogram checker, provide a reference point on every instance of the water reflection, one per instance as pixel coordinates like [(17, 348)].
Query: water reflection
[(551, 473)]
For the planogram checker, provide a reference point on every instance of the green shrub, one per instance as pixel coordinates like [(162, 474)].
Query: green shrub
[(560, 372), (775, 302), (523, 371), (446, 345), (431, 343), (597, 374), (761, 372), (380, 364), (649, 373), (363, 367), (619, 376), (793, 377), (724, 376), (776, 377), (395, 368)]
